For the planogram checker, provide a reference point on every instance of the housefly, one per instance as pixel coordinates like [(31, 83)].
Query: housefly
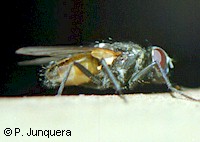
[(117, 65)]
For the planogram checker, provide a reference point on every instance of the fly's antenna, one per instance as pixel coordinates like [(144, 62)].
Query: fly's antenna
[(148, 43)]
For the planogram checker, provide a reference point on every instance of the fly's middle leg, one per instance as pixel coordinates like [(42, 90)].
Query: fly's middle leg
[(112, 78)]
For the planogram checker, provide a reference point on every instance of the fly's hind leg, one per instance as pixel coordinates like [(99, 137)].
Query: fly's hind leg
[(83, 69), (66, 75), (91, 76), (88, 73)]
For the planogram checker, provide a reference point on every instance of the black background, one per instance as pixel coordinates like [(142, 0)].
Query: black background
[(173, 25)]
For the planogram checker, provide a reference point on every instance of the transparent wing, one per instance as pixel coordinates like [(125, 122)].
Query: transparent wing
[(59, 51), (53, 53), (38, 61)]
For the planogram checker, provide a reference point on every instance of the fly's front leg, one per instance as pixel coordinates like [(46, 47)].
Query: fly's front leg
[(169, 85), (166, 79), (140, 74)]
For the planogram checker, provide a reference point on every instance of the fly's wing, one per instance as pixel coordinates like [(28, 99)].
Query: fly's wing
[(54, 53), (38, 61), (52, 50)]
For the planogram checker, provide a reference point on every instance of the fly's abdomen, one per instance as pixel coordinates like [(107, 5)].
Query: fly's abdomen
[(55, 73)]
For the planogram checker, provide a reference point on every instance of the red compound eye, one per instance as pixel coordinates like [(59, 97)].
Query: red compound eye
[(160, 56)]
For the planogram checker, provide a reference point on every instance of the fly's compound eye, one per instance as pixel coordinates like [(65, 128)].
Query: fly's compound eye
[(159, 55)]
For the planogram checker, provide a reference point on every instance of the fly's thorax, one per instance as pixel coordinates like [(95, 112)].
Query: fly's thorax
[(120, 46), (129, 63)]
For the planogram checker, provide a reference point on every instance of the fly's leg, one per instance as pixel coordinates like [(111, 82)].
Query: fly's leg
[(66, 75), (96, 80), (112, 78), (140, 74), (88, 73), (83, 69), (169, 85)]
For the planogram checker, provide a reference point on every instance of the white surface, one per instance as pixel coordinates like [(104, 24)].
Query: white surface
[(145, 118)]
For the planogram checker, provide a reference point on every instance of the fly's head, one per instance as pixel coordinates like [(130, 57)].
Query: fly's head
[(157, 54)]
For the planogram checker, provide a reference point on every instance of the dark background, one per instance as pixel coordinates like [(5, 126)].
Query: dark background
[(173, 25)]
